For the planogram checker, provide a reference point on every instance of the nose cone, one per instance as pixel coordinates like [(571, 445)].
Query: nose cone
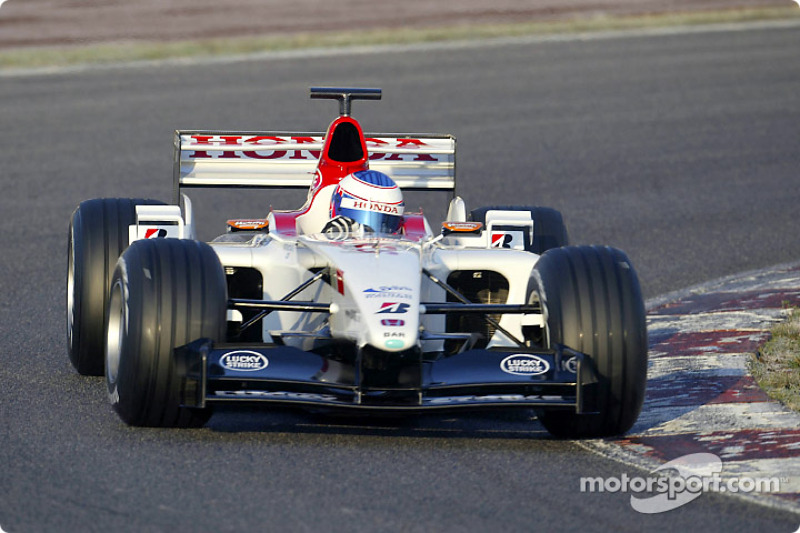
[(395, 319), (377, 293), (388, 293)]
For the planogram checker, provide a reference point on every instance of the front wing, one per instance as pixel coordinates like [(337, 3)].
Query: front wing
[(219, 373)]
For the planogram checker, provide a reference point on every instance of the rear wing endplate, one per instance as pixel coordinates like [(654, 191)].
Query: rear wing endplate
[(289, 160)]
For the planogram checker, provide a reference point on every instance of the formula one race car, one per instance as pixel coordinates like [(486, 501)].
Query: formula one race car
[(350, 302)]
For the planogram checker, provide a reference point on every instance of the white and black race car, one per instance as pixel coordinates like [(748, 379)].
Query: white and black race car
[(350, 302)]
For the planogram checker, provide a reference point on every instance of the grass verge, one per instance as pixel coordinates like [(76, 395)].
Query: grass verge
[(105, 53), (776, 367)]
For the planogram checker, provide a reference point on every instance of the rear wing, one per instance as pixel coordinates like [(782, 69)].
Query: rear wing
[(289, 160)]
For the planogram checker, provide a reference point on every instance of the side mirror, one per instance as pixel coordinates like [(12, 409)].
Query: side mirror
[(463, 228)]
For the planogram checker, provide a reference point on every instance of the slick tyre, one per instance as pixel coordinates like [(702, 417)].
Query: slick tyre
[(165, 293), (549, 230), (98, 234), (593, 304)]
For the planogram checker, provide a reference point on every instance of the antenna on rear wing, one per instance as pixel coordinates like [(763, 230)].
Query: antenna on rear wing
[(345, 96)]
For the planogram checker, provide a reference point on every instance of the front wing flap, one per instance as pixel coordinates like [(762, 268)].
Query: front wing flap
[(216, 373)]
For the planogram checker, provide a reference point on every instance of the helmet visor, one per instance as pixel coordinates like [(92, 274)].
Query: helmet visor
[(377, 222), (377, 216)]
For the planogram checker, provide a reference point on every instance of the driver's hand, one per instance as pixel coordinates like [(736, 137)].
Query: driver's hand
[(338, 228)]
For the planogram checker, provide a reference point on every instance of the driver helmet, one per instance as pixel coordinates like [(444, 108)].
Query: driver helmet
[(370, 198)]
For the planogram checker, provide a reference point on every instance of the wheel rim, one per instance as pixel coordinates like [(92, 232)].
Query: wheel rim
[(114, 332), (535, 298)]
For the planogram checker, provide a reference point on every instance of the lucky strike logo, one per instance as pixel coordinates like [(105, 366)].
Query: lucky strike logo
[(244, 361), (272, 147), (524, 365)]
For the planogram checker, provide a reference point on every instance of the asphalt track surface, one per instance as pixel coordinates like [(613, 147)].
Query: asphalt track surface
[(681, 150)]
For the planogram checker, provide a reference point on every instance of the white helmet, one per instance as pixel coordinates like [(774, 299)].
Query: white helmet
[(372, 199)]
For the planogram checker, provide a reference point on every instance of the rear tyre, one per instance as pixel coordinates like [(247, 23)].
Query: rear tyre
[(165, 293), (98, 234), (549, 230), (593, 304)]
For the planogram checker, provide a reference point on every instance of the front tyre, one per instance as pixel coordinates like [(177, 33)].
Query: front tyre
[(165, 293), (98, 233), (593, 304)]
